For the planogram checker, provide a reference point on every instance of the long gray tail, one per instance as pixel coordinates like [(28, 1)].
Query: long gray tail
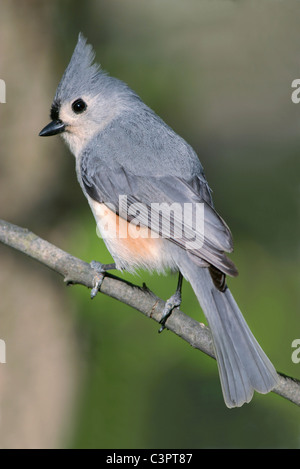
[(243, 365)]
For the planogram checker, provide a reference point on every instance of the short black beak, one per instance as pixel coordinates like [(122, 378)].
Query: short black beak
[(55, 127)]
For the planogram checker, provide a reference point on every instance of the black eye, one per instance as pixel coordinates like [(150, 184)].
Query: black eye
[(79, 106)]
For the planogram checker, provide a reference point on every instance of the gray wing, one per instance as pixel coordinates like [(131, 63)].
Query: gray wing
[(145, 201)]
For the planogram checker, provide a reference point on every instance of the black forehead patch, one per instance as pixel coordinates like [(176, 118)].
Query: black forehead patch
[(54, 112)]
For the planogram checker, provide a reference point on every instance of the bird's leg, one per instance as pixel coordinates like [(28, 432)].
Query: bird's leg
[(100, 270), (171, 303)]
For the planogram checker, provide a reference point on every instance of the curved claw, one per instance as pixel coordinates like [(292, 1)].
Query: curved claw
[(98, 282), (100, 270), (171, 303)]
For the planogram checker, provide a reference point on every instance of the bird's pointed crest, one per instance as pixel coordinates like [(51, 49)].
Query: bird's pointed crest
[(81, 75)]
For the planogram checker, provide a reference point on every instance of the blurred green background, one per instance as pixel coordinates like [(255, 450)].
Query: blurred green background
[(85, 374)]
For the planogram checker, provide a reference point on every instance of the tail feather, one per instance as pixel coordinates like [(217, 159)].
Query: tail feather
[(243, 365)]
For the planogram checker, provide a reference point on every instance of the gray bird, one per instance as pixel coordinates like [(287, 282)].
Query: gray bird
[(145, 186)]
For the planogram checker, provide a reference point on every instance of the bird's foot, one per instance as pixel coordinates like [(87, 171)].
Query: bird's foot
[(100, 270), (171, 303)]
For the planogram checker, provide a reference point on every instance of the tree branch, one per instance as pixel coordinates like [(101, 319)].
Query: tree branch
[(76, 271)]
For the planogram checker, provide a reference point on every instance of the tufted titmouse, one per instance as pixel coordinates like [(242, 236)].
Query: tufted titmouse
[(127, 157)]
